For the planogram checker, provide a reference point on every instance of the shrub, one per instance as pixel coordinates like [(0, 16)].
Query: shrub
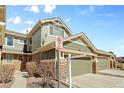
[(44, 70), (6, 72), (31, 68), (44, 83)]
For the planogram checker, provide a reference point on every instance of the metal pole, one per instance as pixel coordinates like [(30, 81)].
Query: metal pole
[(58, 60), (69, 66), (0, 54)]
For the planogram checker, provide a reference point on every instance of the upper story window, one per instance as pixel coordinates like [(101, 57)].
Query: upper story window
[(21, 41), (55, 31), (10, 41)]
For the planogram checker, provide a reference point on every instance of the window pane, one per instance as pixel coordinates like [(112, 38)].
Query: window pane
[(9, 58), (20, 57), (56, 31), (10, 41)]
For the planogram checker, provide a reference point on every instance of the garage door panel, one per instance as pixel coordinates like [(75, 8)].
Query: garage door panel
[(103, 63), (81, 67)]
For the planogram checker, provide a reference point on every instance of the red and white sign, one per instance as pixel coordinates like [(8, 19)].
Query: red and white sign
[(59, 43)]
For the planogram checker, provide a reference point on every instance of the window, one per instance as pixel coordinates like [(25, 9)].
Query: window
[(20, 57), (21, 41), (30, 58), (30, 48), (10, 41), (30, 42), (55, 31), (25, 41), (9, 58)]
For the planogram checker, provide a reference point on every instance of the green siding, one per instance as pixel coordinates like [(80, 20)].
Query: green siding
[(36, 40), (50, 54), (81, 67), (103, 63), (78, 47)]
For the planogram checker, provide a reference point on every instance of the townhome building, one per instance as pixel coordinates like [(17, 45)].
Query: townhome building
[(39, 46)]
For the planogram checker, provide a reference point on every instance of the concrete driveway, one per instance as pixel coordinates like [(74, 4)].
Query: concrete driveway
[(104, 79)]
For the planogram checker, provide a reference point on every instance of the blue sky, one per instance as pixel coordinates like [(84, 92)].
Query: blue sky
[(104, 25)]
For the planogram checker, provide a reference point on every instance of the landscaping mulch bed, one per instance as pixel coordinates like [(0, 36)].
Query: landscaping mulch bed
[(8, 84), (33, 82)]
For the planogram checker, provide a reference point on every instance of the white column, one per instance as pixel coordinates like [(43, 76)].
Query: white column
[(69, 70)]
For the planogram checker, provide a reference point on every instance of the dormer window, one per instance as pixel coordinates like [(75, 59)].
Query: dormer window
[(55, 31)]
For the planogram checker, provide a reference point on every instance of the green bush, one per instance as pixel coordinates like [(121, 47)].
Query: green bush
[(6, 72), (31, 68)]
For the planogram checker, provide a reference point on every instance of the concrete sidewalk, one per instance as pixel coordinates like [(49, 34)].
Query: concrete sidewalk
[(109, 79), (20, 80)]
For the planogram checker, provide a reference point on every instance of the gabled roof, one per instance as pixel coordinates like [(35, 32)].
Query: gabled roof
[(56, 21), (16, 34), (88, 43)]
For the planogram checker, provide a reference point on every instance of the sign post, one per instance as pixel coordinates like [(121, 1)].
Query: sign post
[(59, 47), (0, 53)]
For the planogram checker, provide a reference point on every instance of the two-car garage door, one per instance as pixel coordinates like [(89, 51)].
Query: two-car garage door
[(84, 65)]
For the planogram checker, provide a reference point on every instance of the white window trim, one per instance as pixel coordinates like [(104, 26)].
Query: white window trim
[(20, 42), (13, 42), (7, 60)]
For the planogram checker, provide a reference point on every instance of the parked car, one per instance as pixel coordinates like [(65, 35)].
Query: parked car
[(120, 65)]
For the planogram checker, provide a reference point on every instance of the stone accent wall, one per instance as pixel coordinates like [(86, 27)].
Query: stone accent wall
[(15, 61), (63, 69)]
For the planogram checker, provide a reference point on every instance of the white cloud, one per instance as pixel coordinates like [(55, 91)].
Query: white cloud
[(68, 19), (49, 8), (33, 8), (15, 20), (29, 22), (107, 14), (92, 8), (25, 30), (10, 19), (89, 9), (83, 12)]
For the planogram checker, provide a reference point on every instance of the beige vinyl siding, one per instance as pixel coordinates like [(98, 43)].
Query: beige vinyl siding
[(16, 45)]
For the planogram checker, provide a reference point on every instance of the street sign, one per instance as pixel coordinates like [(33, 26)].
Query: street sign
[(59, 43), (59, 47)]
